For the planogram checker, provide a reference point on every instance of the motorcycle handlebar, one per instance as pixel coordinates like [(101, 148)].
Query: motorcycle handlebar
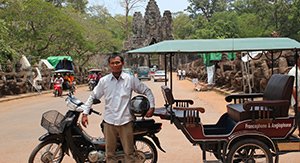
[(74, 103), (95, 112)]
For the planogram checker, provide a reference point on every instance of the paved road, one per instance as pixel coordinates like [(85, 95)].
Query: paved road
[(20, 123)]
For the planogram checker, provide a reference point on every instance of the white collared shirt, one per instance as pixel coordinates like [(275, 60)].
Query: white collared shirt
[(292, 72), (117, 94)]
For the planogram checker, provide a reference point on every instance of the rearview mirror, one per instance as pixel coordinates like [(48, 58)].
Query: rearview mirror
[(96, 101)]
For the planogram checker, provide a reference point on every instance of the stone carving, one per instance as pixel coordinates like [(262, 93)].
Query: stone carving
[(238, 76), (138, 25), (3, 86), (10, 77), (147, 30), (21, 78), (166, 28)]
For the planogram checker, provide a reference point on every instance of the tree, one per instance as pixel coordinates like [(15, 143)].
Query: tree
[(129, 5), (207, 8), (78, 5), (6, 52), (182, 26)]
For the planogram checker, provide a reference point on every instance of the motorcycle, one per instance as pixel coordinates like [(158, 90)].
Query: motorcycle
[(72, 88), (92, 84), (57, 89), (66, 134)]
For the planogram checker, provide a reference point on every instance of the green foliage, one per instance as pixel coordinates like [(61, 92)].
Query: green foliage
[(42, 28), (182, 26), (240, 18), (6, 52)]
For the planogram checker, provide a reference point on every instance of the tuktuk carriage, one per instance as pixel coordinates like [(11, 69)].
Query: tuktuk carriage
[(65, 67), (257, 127)]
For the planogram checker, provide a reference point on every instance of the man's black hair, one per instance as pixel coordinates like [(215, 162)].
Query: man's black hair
[(114, 55)]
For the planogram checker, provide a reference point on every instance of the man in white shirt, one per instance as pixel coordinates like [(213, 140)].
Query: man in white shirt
[(179, 74), (292, 72), (183, 73), (116, 88)]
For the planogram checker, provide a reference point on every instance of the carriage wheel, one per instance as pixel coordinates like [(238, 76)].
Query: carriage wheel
[(249, 151)]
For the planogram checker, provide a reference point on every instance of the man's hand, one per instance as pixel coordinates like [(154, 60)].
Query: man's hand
[(150, 112), (84, 120)]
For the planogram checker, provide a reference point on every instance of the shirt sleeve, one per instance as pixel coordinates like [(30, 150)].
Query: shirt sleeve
[(141, 88), (97, 93)]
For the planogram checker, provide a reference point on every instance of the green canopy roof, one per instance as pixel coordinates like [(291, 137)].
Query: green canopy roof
[(220, 45), (54, 60)]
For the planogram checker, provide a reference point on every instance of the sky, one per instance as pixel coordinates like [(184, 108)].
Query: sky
[(114, 7)]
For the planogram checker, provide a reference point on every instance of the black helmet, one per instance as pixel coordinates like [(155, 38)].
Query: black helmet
[(139, 105)]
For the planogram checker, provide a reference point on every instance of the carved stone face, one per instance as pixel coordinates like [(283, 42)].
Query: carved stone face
[(9, 67)]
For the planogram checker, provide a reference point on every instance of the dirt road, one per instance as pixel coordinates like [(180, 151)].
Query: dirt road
[(20, 123)]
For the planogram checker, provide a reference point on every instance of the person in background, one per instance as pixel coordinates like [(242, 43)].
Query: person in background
[(292, 72), (116, 88), (183, 74), (59, 79), (68, 80), (98, 77), (179, 74)]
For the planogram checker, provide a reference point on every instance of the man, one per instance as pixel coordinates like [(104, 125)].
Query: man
[(179, 74), (68, 80), (116, 88), (183, 74), (292, 72)]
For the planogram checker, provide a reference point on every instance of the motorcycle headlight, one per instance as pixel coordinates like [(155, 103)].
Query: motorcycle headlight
[(71, 105)]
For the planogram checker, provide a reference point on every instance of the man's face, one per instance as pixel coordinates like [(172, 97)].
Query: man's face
[(116, 64)]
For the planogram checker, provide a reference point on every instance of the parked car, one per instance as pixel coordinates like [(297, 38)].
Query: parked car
[(159, 75), (143, 72), (128, 70)]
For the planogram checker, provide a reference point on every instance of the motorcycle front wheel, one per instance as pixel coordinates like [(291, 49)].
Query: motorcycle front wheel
[(55, 93), (49, 151), (146, 146)]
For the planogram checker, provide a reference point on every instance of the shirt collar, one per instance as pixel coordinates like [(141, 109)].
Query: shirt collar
[(122, 76)]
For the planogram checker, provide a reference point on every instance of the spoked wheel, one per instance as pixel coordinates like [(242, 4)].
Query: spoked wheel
[(47, 152), (146, 151), (250, 151)]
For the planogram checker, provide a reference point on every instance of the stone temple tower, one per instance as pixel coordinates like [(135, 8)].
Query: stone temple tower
[(147, 30)]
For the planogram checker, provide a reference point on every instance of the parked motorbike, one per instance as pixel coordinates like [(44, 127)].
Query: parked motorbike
[(57, 89), (66, 134), (72, 88), (92, 84)]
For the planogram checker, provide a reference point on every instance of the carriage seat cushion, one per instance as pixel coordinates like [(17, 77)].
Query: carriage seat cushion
[(279, 87), (238, 113)]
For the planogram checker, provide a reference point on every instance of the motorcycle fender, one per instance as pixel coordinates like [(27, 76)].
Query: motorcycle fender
[(157, 142), (48, 136), (44, 137)]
